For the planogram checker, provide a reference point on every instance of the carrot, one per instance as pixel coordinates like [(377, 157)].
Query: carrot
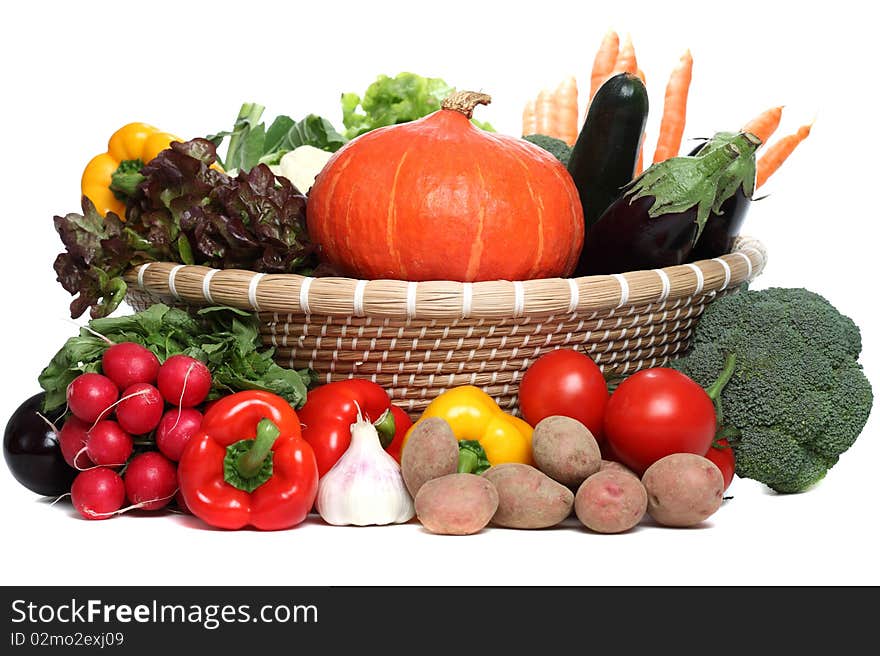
[(604, 62), (566, 101), (529, 121), (640, 163), (674, 110), (779, 152), (764, 125), (544, 121), (626, 58)]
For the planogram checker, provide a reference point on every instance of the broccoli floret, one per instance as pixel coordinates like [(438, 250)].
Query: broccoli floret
[(798, 395), (556, 147)]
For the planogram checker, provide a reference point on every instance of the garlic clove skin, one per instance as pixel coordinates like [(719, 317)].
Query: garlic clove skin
[(365, 487)]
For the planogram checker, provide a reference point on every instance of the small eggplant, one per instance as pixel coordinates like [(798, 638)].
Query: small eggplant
[(723, 227), (660, 217), (32, 452)]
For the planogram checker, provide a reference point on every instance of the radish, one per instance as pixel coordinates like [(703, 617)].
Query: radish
[(184, 381), (89, 396), (98, 493), (72, 437), (140, 409), (150, 480), (175, 429), (128, 363), (108, 444)]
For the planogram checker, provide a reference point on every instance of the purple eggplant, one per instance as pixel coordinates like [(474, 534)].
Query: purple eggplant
[(722, 227), (661, 216)]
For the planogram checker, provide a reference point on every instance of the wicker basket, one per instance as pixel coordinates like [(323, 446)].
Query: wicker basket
[(418, 339)]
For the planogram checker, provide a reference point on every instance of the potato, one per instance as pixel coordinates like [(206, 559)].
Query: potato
[(528, 498), (456, 504), (683, 489), (565, 450), (611, 501), (613, 465), (430, 451)]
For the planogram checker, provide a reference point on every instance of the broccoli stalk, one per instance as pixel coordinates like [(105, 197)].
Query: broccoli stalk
[(797, 394)]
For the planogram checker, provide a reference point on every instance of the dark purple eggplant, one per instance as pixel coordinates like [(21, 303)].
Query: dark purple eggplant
[(662, 214), (32, 452), (722, 227)]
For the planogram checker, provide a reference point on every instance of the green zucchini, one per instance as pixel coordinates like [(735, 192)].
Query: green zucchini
[(603, 160)]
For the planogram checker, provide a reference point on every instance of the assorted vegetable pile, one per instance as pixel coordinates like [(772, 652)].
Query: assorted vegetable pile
[(187, 409)]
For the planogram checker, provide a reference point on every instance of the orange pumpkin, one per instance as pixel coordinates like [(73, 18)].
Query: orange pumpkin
[(440, 199)]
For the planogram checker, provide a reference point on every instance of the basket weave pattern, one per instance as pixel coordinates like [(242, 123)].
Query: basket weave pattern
[(419, 339)]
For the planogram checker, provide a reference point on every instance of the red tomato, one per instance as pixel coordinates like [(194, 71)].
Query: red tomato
[(565, 383), (724, 459), (655, 413)]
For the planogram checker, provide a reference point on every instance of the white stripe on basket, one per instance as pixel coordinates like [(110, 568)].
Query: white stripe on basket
[(467, 299), (359, 290), (748, 262), (304, 295), (252, 290), (699, 273), (172, 286), (206, 286), (575, 295), (411, 288), (141, 273), (624, 288), (519, 298), (726, 272), (664, 280)]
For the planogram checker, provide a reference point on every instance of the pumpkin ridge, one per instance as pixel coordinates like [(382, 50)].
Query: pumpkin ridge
[(328, 237), (347, 237), (539, 206), (477, 245), (391, 222)]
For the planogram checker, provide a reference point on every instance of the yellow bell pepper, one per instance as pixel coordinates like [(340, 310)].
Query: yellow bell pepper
[(473, 415), (130, 147)]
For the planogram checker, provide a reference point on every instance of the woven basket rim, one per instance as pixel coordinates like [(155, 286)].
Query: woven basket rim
[(431, 300)]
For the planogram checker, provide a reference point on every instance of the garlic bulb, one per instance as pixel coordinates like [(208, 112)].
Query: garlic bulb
[(365, 486)]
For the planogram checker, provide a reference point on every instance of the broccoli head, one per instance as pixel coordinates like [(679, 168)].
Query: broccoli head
[(798, 394), (556, 147)]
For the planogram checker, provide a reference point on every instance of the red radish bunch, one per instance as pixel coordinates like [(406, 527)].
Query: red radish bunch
[(128, 428)]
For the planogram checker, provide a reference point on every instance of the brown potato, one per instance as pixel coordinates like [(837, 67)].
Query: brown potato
[(613, 465), (528, 498), (565, 450), (430, 451), (683, 489), (611, 501), (456, 504)]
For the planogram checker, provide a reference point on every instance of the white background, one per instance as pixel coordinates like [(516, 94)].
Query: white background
[(74, 72)]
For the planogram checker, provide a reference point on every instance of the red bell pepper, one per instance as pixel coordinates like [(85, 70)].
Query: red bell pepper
[(331, 409), (248, 465)]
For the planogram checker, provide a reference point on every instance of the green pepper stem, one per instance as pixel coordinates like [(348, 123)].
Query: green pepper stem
[(126, 178), (714, 390), (385, 427), (251, 461), (467, 461)]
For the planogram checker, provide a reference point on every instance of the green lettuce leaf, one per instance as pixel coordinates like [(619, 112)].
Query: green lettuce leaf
[(392, 100)]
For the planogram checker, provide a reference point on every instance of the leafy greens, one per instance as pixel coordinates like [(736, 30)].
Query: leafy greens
[(227, 340), (251, 142), (185, 210), (393, 100)]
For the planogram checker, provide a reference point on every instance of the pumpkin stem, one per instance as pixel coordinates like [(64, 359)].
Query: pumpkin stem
[(465, 102)]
